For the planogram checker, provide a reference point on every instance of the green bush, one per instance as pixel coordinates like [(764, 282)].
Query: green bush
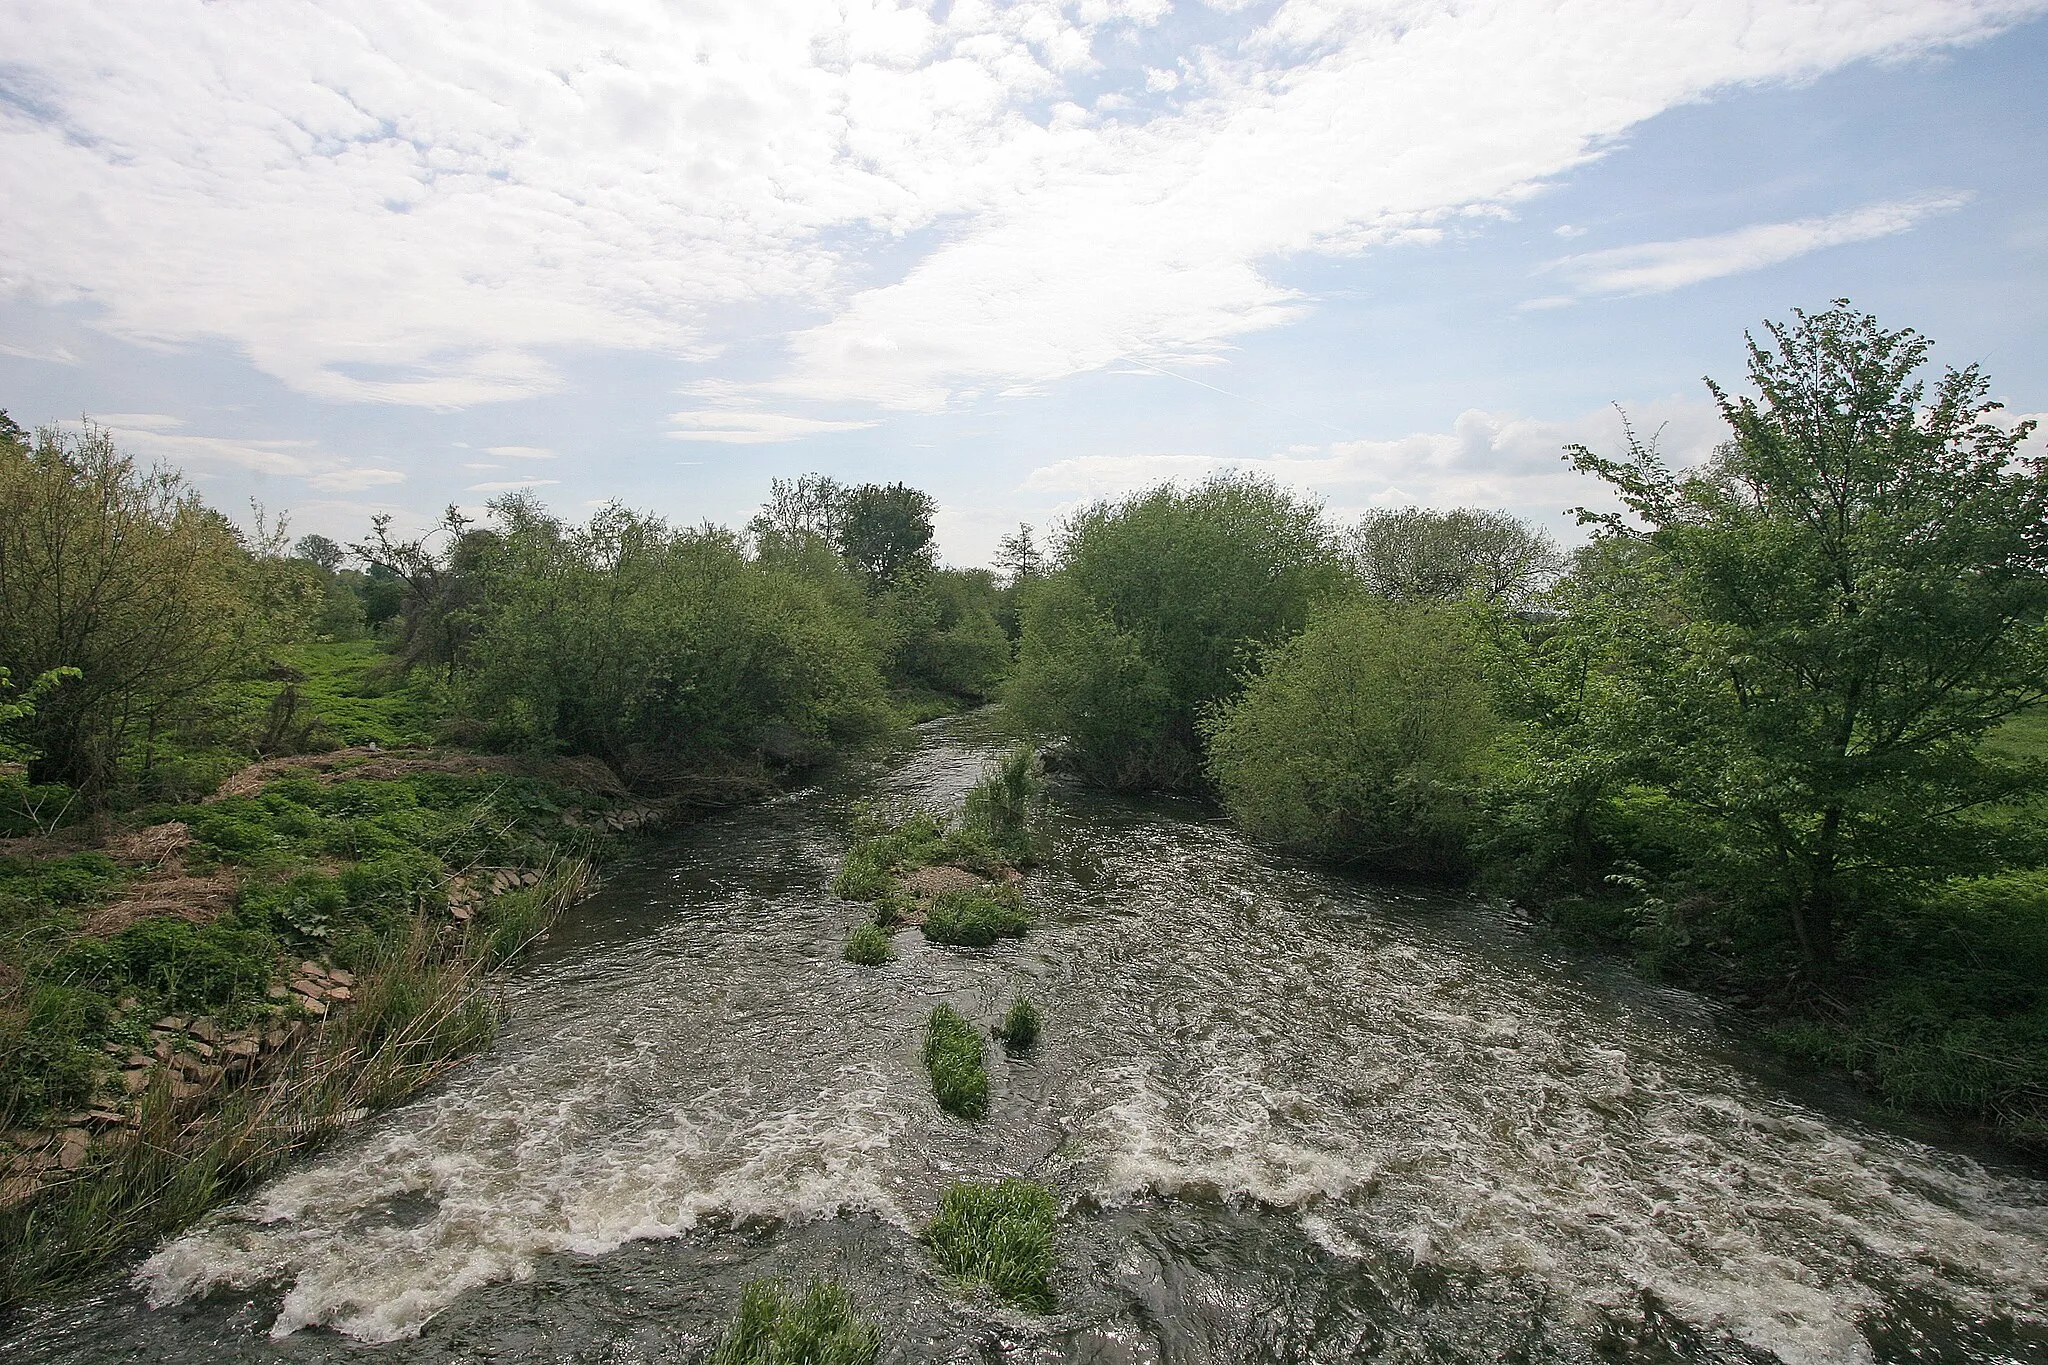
[(29, 889), (195, 969), (868, 945), (1146, 621), (999, 1236), (1362, 737), (953, 1056), (976, 918), (1020, 1025), (49, 1045), (1000, 807)]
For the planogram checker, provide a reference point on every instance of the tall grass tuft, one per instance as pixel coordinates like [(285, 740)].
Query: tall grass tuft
[(1019, 1029), (998, 1236), (976, 918), (868, 945), (1000, 807), (774, 1326), (953, 1056)]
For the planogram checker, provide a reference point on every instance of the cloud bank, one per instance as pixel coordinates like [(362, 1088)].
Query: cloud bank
[(434, 203)]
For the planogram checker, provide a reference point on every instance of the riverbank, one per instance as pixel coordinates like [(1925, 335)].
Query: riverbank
[(210, 989)]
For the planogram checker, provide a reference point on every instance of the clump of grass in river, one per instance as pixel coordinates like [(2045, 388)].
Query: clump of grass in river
[(998, 1236), (953, 1056)]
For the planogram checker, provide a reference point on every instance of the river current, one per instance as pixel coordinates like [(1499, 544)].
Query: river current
[(1291, 1116)]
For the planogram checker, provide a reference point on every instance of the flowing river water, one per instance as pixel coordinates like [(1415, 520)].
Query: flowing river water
[(1291, 1117)]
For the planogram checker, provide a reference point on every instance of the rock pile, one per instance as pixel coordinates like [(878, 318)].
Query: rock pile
[(189, 1057), (616, 821), (468, 892)]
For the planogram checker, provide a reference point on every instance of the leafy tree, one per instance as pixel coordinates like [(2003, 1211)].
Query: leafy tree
[(1155, 606), (321, 552), (1421, 555), (1363, 737), (811, 507), (437, 609), (122, 575), (667, 653), (1843, 601), (1020, 555), (885, 531)]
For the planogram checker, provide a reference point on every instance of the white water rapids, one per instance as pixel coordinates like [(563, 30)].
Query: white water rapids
[(1291, 1117)]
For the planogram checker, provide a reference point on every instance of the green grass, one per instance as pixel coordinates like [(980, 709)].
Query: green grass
[(1020, 1026), (868, 945), (999, 1237), (953, 1055), (776, 1326), (416, 1012), (976, 918)]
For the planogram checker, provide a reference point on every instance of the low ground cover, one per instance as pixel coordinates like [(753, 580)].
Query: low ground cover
[(204, 992)]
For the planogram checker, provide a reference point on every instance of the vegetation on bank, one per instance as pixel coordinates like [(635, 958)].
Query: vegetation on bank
[(998, 1237), (955, 1058), (775, 1325), (1772, 731), (272, 809)]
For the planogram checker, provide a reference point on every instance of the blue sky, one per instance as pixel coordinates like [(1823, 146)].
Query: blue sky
[(347, 258)]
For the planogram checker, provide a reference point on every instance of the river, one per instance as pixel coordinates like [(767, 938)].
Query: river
[(1292, 1117)]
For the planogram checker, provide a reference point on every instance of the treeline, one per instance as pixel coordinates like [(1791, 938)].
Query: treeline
[(137, 623), (1772, 729)]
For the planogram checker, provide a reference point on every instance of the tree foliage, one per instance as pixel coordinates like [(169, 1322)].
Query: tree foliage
[(1420, 555), (660, 650), (1841, 603), (885, 531), (1156, 603), (1363, 737), (122, 575)]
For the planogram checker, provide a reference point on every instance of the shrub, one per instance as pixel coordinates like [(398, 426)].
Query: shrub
[(976, 918), (775, 1327), (48, 1048), (1146, 621), (999, 807), (1000, 1236), (1360, 738), (953, 1056), (1019, 1028), (868, 945)]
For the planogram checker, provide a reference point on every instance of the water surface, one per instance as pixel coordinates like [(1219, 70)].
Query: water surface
[(1292, 1118)]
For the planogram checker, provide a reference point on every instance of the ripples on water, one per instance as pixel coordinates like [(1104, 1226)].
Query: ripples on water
[(1293, 1118)]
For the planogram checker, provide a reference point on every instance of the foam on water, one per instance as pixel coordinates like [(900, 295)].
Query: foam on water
[(1474, 1118)]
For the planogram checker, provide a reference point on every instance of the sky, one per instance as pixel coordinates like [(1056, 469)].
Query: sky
[(343, 258)]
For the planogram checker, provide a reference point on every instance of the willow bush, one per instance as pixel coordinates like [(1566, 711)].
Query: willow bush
[(1362, 738)]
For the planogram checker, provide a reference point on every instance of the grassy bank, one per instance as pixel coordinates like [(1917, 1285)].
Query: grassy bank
[(198, 991)]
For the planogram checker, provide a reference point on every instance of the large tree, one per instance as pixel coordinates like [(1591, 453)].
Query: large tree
[(1836, 607), (885, 531), (122, 575)]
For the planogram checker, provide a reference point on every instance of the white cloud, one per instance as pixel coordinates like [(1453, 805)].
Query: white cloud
[(738, 427), (1485, 459), (350, 480), (427, 203), (55, 355), (521, 452), (510, 484), (1659, 267)]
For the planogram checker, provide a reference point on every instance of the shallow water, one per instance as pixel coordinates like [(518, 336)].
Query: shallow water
[(1292, 1117)]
